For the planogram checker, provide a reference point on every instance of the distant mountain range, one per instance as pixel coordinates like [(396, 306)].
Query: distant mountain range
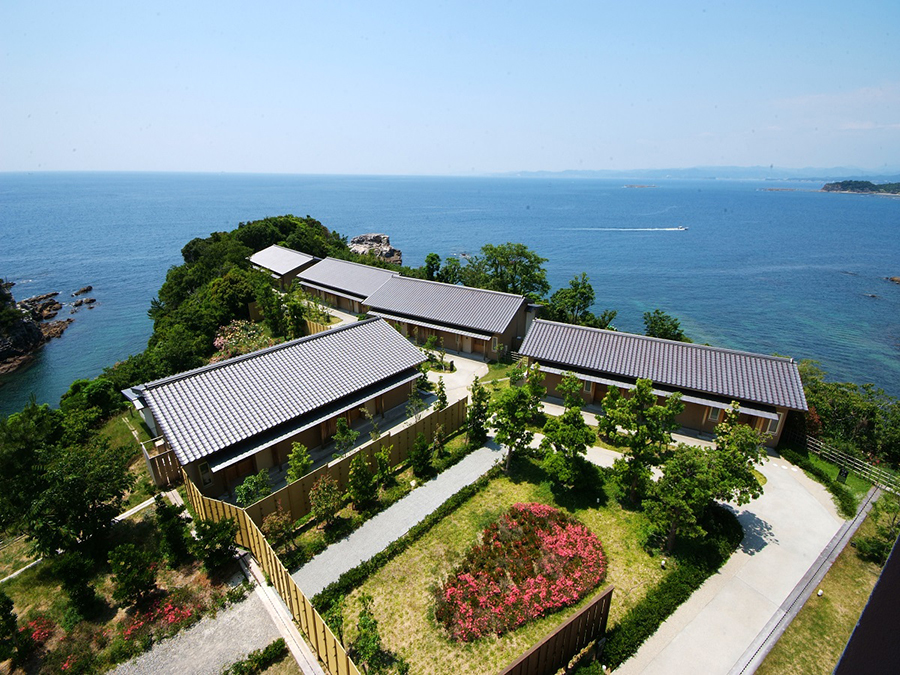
[(724, 173)]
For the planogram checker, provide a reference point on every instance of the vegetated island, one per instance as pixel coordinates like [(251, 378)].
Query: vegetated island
[(863, 187)]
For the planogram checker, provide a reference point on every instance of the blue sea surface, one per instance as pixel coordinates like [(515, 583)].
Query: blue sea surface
[(797, 272)]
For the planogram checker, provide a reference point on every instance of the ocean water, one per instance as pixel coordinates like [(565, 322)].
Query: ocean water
[(797, 272)]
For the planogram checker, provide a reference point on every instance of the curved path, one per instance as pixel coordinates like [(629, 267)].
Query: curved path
[(786, 530)]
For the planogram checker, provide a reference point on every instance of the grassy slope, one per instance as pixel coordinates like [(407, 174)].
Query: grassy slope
[(815, 639)]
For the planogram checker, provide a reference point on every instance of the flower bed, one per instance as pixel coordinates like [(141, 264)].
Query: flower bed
[(534, 560)]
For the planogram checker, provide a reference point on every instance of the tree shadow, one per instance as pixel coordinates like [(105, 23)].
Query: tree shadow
[(757, 533), (591, 493)]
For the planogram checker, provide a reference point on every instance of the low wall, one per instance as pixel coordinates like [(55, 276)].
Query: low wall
[(327, 647), (294, 498)]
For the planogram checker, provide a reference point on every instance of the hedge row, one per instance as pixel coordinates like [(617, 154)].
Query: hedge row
[(846, 501), (258, 660), (354, 578), (643, 620), (696, 563)]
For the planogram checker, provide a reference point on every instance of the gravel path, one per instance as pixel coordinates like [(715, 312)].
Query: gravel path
[(209, 646), (392, 523)]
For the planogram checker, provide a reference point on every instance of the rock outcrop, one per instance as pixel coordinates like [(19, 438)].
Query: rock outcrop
[(18, 344), (896, 280), (25, 326), (378, 245)]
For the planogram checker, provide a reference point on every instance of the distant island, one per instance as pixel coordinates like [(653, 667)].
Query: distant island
[(863, 187)]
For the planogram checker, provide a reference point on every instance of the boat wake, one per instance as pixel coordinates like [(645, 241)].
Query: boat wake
[(624, 229)]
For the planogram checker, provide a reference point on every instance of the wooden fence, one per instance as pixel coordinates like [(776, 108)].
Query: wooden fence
[(313, 327), (883, 479), (294, 498), (557, 649), (163, 467), (327, 647)]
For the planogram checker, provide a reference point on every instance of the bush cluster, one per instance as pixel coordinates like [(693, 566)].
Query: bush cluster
[(258, 660), (532, 561), (354, 578), (845, 499)]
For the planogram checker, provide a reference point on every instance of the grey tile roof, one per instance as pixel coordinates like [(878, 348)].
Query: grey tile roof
[(280, 260), (737, 375), (359, 280), (208, 409), (474, 308)]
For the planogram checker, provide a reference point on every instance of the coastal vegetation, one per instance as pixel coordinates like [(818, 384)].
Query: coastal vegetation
[(862, 187), (203, 314)]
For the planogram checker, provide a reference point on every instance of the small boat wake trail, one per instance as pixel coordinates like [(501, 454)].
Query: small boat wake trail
[(624, 229)]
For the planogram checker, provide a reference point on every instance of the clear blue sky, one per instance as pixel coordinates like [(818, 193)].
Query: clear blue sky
[(452, 88)]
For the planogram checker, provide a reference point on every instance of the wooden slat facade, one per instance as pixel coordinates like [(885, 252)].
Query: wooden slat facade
[(164, 468), (327, 647), (294, 498), (557, 649)]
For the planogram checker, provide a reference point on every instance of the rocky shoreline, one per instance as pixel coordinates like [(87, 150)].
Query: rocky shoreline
[(378, 245), (29, 324)]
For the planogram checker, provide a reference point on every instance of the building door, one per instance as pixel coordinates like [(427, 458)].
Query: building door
[(467, 344)]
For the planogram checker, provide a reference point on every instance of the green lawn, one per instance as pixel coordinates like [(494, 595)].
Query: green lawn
[(815, 639), (119, 430), (15, 553), (859, 486), (402, 589)]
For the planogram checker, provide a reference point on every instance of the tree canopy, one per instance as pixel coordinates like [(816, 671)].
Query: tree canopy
[(661, 325), (642, 426)]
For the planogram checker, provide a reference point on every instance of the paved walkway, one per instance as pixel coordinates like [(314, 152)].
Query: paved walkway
[(786, 530), (209, 646), (393, 522)]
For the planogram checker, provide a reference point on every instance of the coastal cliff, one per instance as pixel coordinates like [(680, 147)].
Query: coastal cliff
[(23, 326)]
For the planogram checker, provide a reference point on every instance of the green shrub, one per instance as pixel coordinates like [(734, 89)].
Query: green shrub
[(253, 488), (175, 539), (214, 544), (134, 573), (9, 630), (74, 569), (258, 660), (361, 484), (299, 462), (420, 456), (325, 499)]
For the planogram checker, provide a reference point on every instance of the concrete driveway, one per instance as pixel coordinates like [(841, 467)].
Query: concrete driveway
[(785, 531), (458, 382)]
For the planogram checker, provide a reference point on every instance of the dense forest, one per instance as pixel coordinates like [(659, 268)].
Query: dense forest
[(863, 187)]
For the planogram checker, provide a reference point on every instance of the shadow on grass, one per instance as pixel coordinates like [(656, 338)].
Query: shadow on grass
[(591, 493)]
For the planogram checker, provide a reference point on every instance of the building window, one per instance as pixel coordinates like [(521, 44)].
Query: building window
[(714, 414), (494, 344), (588, 386), (773, 425), (205, 474)]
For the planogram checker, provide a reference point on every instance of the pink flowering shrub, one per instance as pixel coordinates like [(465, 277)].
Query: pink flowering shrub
[(162, 619), (239, 337), (41, 629), (533, 561)]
